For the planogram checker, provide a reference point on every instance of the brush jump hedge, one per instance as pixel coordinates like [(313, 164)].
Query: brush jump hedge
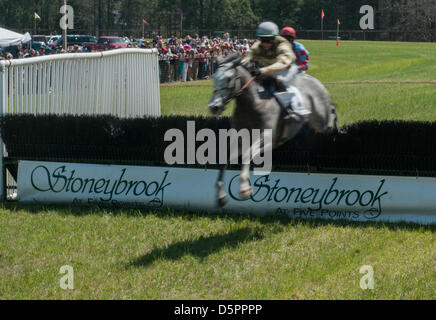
[(370, 147)]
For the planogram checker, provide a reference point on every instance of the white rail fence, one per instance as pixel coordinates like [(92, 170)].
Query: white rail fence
[(122, 83)]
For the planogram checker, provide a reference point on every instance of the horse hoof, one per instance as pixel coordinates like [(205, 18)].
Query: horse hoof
[(222, 201), (246, 194)]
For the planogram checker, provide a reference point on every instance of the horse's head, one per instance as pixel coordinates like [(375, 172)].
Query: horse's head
[(224, 84)]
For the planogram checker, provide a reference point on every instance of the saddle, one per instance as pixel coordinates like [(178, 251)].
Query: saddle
[(277, 89)]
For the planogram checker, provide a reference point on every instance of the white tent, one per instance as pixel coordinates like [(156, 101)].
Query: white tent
[(11, 38)]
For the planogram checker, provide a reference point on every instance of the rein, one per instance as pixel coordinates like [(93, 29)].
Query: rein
[(260, 105), (249, 82)]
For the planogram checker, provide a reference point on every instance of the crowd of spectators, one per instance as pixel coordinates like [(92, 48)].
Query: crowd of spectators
[(180, 59), (174, 46), (193, 58), (21, 52)]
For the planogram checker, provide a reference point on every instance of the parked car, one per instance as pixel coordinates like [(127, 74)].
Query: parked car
[(39, 38), (107, 43), (219, 34), (128, 41), (37, 45), (73, 40), (89, 43), (14, 49), (89, 39), (52, 40), (11, 49)]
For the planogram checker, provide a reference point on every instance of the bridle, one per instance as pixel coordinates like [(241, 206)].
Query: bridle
[(232, 87), (245, 86)]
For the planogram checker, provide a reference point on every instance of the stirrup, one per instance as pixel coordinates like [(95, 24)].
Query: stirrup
[(293, 116), (288, 115), (296, 115)]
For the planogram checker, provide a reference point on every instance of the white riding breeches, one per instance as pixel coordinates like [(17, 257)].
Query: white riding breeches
[(297, 99), (288, 75)]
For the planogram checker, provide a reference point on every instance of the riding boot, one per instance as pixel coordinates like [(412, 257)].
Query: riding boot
[(295, 109)]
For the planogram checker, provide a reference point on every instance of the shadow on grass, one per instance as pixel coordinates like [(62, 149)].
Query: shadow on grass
[(258, 228), (200, 248), (191, 215)]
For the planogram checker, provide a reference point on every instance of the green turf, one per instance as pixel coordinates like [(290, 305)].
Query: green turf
[(376, 61), (353, 102), (169, 255), (351, 62), (131, 254)]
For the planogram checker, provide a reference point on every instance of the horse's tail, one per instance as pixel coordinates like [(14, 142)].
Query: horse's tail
[(333, 123), (324, 116)]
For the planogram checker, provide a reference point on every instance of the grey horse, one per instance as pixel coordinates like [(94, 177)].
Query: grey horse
[(253, 111)]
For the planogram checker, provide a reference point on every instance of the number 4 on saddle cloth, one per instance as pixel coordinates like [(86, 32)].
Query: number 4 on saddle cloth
[(288, 97)]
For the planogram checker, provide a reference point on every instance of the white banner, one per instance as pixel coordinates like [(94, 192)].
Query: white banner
[(297, 195)]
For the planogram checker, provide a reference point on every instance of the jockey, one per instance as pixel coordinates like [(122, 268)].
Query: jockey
[(299, 50), (277, 59)]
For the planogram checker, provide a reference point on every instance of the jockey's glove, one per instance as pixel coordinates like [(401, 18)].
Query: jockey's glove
[(256, 72)]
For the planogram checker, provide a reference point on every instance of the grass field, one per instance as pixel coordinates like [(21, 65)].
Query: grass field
[(141, 254), (352, 62)]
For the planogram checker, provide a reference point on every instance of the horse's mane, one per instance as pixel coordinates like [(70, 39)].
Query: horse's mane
[(235, 60), (230, 58)]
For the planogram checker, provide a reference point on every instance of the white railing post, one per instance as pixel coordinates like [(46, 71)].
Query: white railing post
[(3, 104)]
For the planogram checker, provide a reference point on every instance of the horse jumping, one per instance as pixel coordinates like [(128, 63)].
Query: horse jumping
[(255, 111)]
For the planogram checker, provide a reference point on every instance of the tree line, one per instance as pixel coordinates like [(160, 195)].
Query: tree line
[(164, 16)]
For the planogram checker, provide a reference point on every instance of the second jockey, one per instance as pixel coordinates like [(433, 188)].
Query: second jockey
[(300, 51)]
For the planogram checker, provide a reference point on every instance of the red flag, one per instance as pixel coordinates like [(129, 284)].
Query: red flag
[(339, 22), (337, 42), (322, 14), (144, 21)]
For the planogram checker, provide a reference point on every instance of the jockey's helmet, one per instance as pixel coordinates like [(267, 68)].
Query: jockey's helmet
[(267, 30), (288, 33)]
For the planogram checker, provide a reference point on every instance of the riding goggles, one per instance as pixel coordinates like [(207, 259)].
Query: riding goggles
[(267, 39)]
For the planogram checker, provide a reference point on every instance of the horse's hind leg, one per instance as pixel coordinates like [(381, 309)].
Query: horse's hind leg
[(334, 119), (222, 196)]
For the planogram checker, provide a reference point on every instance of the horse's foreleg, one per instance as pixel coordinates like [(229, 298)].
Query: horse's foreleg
[(221, 196), (261, 143), (245, 187)]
